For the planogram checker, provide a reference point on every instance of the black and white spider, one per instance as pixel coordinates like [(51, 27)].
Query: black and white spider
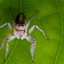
[(20, 32)]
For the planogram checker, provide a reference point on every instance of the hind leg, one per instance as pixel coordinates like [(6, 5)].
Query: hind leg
[(8, 39), (33, 45), (2, 42)]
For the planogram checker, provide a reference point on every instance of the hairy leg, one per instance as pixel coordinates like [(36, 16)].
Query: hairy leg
[(33, 45), (35, 26)]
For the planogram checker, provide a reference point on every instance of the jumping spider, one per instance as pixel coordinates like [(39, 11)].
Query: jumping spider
[(20, 32)]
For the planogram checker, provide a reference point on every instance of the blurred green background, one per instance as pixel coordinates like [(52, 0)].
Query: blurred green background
[(50, 18)]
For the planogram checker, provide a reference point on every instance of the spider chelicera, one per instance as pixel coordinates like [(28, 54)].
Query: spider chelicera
[(20, 32)]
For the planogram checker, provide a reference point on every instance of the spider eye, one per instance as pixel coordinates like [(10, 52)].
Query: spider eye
[(22, 25), (18, 24)]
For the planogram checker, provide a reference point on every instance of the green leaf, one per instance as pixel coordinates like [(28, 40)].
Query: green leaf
[(50, 18)]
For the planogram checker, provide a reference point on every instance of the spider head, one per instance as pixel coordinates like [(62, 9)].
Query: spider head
[(20, 19)]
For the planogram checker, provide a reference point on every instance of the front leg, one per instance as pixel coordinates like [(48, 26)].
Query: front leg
[(7, 23), (32, 18), (35, 26), (33, 45)]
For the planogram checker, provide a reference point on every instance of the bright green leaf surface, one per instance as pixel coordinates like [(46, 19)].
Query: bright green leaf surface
[(50, 18)]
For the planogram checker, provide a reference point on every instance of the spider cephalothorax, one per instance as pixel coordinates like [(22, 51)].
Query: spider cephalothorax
[(20, 19)]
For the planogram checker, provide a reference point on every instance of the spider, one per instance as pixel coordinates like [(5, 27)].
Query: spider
[(20, 32)]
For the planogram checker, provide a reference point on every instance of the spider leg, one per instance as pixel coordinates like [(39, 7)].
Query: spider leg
[(35, 26), (10, 9), (7, 23), (2, 42), (33, 45), (32, 18), (8, 39), (7, 49), (3, 25)]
